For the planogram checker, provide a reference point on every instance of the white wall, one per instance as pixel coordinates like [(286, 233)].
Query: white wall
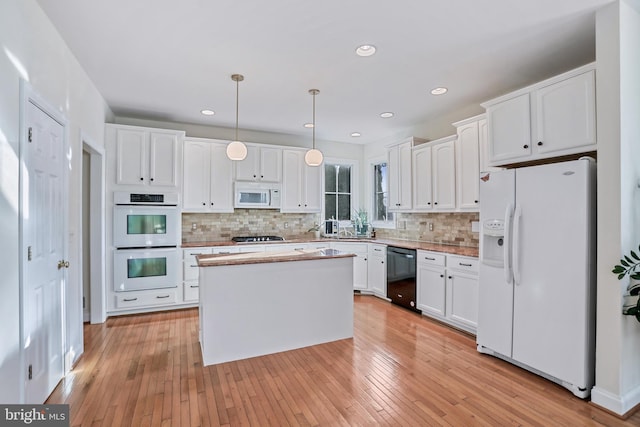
[(31, 48), (618, 109)]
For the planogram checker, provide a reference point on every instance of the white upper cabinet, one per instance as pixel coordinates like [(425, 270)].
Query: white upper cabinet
[(400, 175), (556, 117), (434, 175), (301, 184), (468, 164), (145, 156), (208, 174), (262, 164)]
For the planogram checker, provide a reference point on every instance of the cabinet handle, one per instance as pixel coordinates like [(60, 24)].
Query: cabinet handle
[(525, 146), (428, 203), (162, 296), (151, 179), (399, 295), (299, 205), (382, 262), (261, 176), (377, 250), (255, 176), (130, 299), (141, 179), (450, 277), (435, 203), (194, 286), (211, 203), (204, 204), (465, 265), (475, 201), (442, 275), (539, 143), (430, 259)]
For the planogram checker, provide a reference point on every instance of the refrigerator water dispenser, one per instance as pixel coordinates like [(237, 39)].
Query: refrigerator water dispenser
[(493, 242)]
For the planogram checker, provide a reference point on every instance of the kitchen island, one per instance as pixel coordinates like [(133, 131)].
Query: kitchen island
[(258, 303)]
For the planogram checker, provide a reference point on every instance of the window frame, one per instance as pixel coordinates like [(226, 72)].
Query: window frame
[(370, 188), (355, 201)]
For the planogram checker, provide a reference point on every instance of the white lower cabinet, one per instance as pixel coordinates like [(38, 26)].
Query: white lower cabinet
[(377, 270), (361, 250), (447, 288), (431, 286), (142, 299)]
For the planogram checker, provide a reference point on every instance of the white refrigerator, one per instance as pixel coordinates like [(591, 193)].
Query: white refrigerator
[(537, 270)]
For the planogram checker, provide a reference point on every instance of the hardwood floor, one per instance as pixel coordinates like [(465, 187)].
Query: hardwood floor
[(399, 369)]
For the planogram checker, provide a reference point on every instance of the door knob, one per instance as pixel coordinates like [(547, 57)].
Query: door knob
[(63, 264)]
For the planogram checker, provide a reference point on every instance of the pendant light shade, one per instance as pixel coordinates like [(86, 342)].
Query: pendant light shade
[(314, 157), (236, 150)]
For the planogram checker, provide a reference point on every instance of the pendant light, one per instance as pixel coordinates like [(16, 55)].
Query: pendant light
[(236, 150), (313, 157)]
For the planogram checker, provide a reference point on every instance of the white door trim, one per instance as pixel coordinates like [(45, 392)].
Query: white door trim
[(97, 233), (29, 95)]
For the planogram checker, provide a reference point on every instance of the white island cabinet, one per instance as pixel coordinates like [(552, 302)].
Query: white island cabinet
[(248, 307)]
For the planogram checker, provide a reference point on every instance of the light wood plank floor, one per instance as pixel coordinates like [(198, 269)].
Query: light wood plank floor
[(399, 369)]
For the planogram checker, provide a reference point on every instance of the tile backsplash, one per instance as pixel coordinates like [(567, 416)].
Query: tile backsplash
[(448, 228), (214, 227)]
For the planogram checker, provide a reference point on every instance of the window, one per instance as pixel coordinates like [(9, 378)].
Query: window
[(337, 191), (381, 216)]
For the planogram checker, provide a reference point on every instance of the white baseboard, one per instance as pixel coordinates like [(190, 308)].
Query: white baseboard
[(615, 403)]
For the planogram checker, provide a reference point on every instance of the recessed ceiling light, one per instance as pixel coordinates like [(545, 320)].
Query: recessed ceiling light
[(439, 91), (308, 125), (366, 50), (208, 112), (386, 114), (355, 134)]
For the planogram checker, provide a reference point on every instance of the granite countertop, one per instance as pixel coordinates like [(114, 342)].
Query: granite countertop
[(269, 257), (408, 244)]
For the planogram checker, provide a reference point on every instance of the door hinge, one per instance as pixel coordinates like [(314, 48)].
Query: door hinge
[(30, 372), (30, 135), (84, 302), (29, 253)]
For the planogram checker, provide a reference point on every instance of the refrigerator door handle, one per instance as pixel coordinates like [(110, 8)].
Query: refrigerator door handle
[(508, 270), (516, 244)]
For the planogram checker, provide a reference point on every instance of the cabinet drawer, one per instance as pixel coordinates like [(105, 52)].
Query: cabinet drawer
[(190, 265), (191, 292), (354, 248), (146, 298), (463, 263), (431, 258), (225, 250)]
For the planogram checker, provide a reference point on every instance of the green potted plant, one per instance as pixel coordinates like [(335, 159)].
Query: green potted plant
[(628, 266), (360, 222)]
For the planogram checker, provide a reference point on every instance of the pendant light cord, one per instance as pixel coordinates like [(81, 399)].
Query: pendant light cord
[(314, 121), (237, 105)]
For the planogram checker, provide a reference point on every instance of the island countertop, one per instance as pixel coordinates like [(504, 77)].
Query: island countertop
[(268, 257)]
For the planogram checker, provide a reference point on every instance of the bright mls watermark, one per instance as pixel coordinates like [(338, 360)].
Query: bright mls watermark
[(34, 415)]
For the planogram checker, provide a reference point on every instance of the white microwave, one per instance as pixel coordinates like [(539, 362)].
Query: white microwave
[(256, 195)]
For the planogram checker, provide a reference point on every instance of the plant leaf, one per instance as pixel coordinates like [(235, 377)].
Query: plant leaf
[(625, 263), (635, 276), (621, 276), (617, 269), (633, 254), (629, 260)]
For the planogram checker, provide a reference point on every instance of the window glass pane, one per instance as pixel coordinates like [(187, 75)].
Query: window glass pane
[(344, 207), (380, 194), (329, 178), (146, 224), (146, 267), (330, 206), (344, 179)]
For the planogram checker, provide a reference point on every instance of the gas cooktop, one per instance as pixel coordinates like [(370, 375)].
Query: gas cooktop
[(251, 239)]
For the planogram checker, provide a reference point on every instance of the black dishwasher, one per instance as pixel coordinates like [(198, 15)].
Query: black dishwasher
[(401, 277)]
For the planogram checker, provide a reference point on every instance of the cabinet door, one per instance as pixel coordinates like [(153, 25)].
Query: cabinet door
[(462, 301), (431, 290), (292, 181), (270, 164), (444, 178), (131, 161), (393, 158), (400, 178), (468, 167), (377, 270), (312, 188), (566, 115), (247, 169), (509, 130), (220, 179), (195, 193), (360, 267), (422, 169), (163, 159)]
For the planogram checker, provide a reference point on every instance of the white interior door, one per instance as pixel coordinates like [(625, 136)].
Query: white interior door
[(43, 243)]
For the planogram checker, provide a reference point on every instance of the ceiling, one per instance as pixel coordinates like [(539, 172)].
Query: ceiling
[(167, 60)]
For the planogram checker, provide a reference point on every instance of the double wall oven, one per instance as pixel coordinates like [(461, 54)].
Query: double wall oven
[(145, 238)]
